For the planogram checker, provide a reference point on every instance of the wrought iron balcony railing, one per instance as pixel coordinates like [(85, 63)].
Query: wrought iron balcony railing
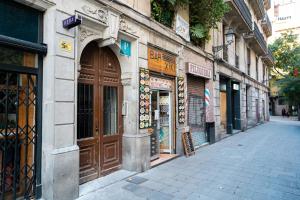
[(260, 38), (266, 25), (244, 10), (267, 4), (258, 7)]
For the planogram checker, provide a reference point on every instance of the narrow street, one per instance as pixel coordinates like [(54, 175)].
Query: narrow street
[(260, 164)]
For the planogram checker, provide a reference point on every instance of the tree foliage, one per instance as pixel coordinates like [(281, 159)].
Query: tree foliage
[(286, 51), (204, 15), (163, 11)]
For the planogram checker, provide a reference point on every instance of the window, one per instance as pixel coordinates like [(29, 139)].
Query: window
[(110, 107), (248, 61), (17, 57), (196, 111), (85, 111), (163, 12), (23, 16), (256, 67)]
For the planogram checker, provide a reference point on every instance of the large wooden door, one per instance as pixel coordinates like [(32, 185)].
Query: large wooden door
[(99, 118)]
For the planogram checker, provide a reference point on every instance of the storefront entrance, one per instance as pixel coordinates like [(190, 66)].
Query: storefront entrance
[(162, 125), (99, 116), (162, 118)]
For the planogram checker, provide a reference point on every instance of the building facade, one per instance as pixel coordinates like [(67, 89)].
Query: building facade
[(90, 87), (242, 62)]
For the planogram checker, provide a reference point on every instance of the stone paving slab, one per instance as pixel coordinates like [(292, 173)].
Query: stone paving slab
[(262, 163)]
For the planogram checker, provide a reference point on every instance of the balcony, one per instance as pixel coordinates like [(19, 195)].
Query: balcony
[(266, 25), (267, 4), (257, 41), (239, 16), (258, 7), (268, 58)]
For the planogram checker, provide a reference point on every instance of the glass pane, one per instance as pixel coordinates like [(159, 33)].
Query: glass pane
[(17, 57), (85, 111), (110, 109), (164, 112), (19, 21)]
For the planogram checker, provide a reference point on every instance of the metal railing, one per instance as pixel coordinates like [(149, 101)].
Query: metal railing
[(267, 22), (244, 10), (259, 37)]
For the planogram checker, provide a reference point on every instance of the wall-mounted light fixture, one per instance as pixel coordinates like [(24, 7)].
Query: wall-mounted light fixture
[(229, 37)]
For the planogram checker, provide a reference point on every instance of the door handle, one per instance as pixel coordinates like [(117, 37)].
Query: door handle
[(97, 130)]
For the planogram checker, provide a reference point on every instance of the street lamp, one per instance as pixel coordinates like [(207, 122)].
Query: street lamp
[(229, 37)]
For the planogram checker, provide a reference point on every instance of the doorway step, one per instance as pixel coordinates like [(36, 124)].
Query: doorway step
[(163, 158), (104, 181)]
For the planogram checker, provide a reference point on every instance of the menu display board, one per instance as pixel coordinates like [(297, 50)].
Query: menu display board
[(188, 144), (181, 106), (144, 99)]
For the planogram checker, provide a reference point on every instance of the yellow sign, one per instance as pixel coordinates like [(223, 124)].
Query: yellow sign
[(161, 61), (66, 46)]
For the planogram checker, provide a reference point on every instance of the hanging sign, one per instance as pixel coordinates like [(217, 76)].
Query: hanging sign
[(125, 48), (161, 61), (182, 28), (72, 22)]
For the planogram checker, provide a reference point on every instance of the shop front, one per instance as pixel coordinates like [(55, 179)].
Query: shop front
[(230, 109), (21, 54), (162, 72), (197, 76)]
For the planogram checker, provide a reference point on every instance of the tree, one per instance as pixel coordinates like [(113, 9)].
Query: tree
[(286, 51)]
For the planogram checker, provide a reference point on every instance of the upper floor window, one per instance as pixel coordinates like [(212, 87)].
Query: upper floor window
[(256, 67), (23, 16), (163, 12), (248, 61)]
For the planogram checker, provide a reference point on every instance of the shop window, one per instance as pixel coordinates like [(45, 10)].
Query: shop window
[(85, 111), (196, 111), (110, 107), (16, 57)]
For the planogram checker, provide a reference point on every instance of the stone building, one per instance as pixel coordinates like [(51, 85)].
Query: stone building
[(242, 62), (90, 87)]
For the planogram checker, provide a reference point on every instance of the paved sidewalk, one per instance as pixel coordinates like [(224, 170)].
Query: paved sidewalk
[(262, 163)]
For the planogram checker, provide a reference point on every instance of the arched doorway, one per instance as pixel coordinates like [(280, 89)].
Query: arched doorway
[(99, 116)]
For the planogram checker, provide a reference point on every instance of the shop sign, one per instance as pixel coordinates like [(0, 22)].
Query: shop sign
[(198, 70), (159, 83), (125, 48), (161, 61), (182, 28)]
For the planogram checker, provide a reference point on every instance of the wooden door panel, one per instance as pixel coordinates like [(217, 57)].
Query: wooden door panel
[(111, 152), (89, 159)]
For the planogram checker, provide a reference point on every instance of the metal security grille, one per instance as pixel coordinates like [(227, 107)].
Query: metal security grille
[(18, 135)]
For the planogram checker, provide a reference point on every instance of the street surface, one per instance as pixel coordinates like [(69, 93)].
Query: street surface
[(262, 163)]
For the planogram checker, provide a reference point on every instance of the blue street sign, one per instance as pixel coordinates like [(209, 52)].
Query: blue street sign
[(71, 22), (125, 48)]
